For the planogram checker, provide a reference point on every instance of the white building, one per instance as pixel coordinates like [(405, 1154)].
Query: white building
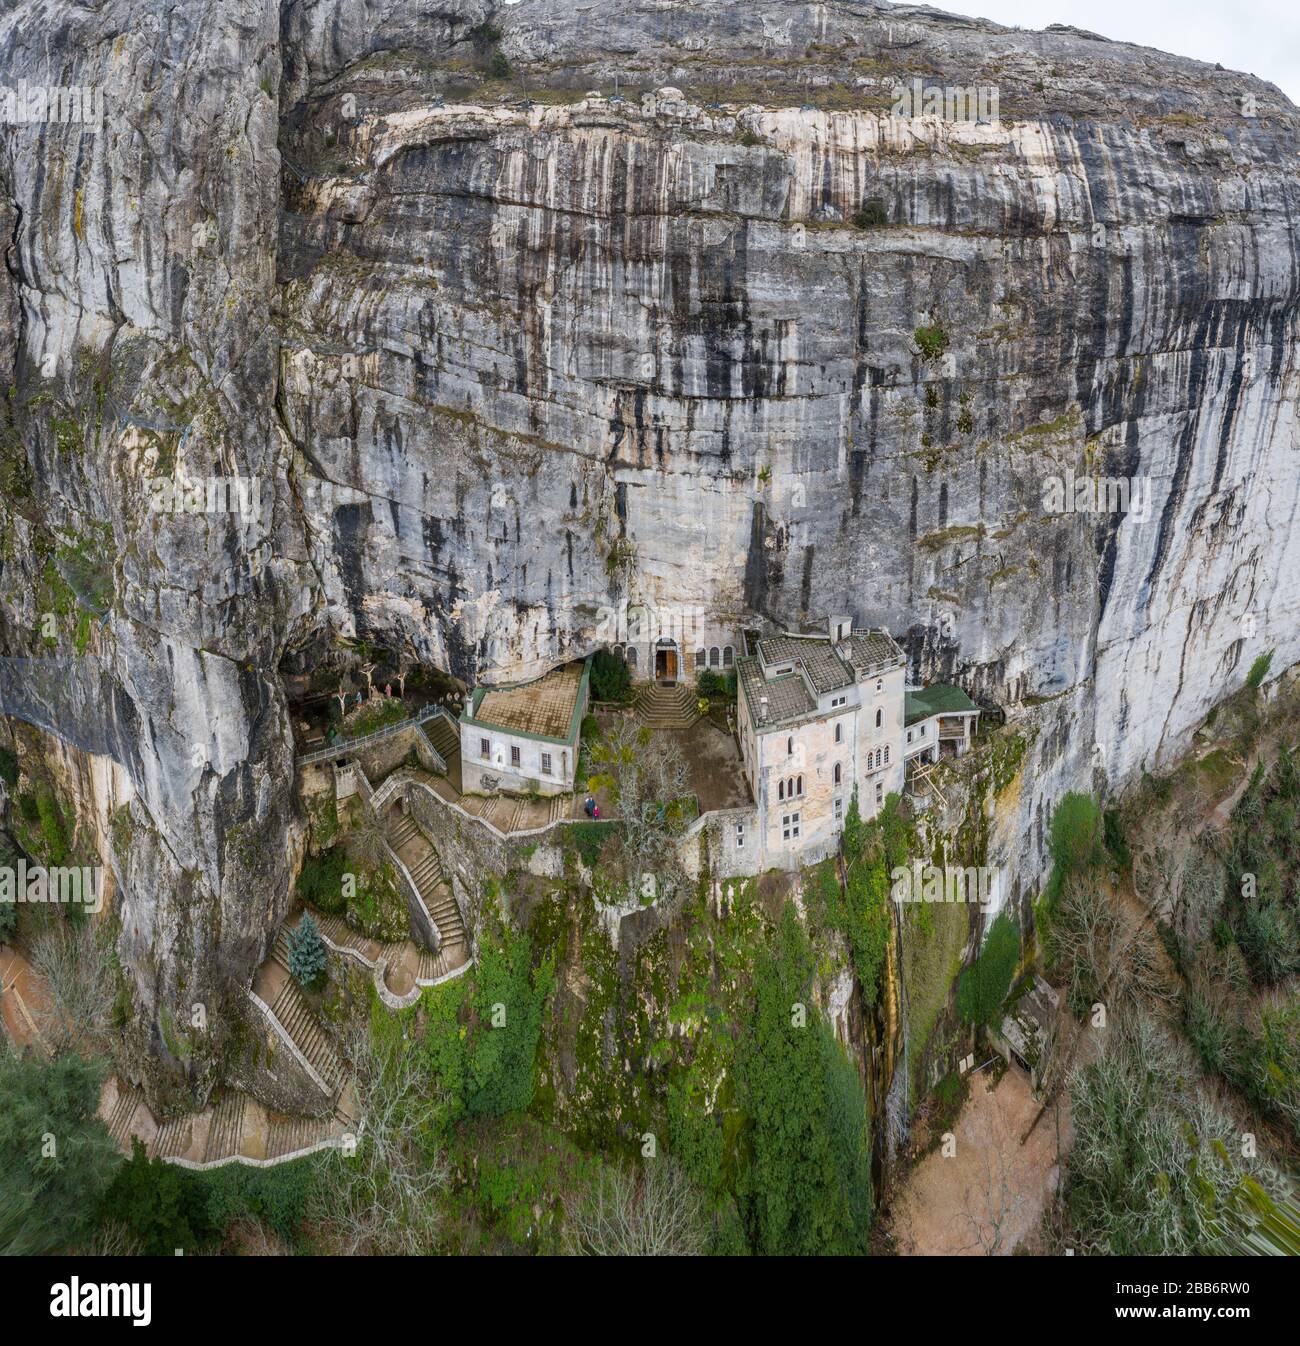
[(524, 739), (818, 716)]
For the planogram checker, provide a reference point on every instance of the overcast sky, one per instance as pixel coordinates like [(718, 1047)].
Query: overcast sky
[(1261, 37)]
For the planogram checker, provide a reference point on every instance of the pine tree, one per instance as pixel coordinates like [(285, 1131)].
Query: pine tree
[(307, 953)]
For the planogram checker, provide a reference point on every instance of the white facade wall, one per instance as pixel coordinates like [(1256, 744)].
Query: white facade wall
[(500, 767), (809, 748)]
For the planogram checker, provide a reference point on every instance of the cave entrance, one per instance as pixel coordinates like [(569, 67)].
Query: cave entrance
[(666, 661)]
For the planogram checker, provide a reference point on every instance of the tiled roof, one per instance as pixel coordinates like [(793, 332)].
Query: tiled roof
[(786, 697), (941, 699), (871, 649), (543, 708), (826, 670)]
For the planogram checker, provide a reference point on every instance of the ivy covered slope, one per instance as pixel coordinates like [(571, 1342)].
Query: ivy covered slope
[(695, 1042)]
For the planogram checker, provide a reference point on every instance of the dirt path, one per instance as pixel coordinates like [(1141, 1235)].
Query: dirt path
[(989, 1195)]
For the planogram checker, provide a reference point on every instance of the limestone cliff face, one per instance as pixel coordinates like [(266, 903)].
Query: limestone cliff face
[(505, 359)]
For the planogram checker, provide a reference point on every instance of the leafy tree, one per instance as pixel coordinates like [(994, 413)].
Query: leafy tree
[(56, 1156), (307, 960), (808, 1186), (610, 679), (163, 1207)]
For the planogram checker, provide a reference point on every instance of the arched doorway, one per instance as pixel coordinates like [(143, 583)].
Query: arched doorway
[(666, 661)]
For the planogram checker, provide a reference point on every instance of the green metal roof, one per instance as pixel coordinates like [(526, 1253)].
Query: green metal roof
[(941, 699)]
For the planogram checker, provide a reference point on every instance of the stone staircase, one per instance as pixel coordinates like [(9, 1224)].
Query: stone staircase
[(234, 1129), (123, 1113), (442, 734), (305, 1031), (422, 863), (226, 1127), (672, 707)]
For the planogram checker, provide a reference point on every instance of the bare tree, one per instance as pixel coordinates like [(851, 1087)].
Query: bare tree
[(991, 1201), (647, 779), (366, 842), (653, 1213), (73, 960), (381, 1199)]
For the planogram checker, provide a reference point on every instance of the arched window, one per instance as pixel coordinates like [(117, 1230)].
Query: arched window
[(728, 656), (838, 773), (799, 780), (701, 659), (631, 656), (789, 746), (839, 733), (715, 657), (617, 651), (880, 717), (886, 755), (780, 790)]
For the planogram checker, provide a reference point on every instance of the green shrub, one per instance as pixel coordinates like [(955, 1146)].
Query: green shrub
[(715, 686), (307, 958), (1116, 843), (610, 679), (872, 214), (276, 1196), (871, 852), (163, 1207), (933, 341), (9, 768), (1259, 670), (589, 839), (983, 986), (321, 880), (1270, 941)]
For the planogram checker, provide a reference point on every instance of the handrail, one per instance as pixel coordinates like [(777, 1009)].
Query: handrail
[(347, 745)]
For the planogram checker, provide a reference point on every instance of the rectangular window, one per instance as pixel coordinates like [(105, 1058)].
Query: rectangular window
[(789, 826), (514, 756), (880, 794), (546, 764), (740, 836), (839, 810), (485, 749)]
